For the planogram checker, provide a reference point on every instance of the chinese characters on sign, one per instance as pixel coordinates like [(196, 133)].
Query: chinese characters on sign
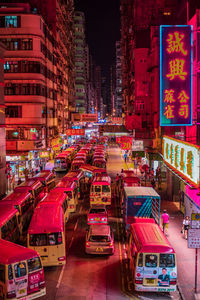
[(193, 238), (175, 75), (75, 132), (183, 157)]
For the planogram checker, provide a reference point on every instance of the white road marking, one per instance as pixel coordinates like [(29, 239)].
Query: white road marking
[(71, 243), (60, 277)]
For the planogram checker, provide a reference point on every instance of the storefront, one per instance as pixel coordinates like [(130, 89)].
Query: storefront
[(17, 163)]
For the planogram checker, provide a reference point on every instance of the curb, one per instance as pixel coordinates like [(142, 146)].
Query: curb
[(180, 292)]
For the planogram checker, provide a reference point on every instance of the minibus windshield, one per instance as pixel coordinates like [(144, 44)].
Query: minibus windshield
[(20, 269), (167, 261), (105, 189)]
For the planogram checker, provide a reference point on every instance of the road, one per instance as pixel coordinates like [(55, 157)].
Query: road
[(87, 277)]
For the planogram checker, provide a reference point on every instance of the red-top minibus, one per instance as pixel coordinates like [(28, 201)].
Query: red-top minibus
[(78, 177), (71, 189), (100, 191), (21, 273), (9, 223), (152, 259), (46, 233), (47, 178)]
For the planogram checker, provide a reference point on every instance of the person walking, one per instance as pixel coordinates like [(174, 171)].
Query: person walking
[(165, 221), (159, 181), (185, 227), (125, 157), (153, 183)]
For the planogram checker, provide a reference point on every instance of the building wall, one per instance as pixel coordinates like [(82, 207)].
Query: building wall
[(118, 93)]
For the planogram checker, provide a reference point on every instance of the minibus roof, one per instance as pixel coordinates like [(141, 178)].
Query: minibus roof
[(129, 179), (142, 191), (6, 212), (76, 174), (149, 238), (67, 184), (11, 253), (102, 179), (44, 175), (43, 213), (55, 196), (16, 197), (31, 183)]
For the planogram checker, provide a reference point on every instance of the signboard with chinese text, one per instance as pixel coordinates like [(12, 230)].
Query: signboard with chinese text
[(89, 118), (195, 220), (183, 158), (176, 46), (193, 238), (75, 132), (138, 145)]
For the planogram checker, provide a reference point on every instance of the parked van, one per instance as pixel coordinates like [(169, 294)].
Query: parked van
[(21, 273)]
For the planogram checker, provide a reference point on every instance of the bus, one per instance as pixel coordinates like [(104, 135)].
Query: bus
[(21, 272), (33, 186), (47, 178), (46, 235), (71, 189), (100, 191), (152, 260), (78, 177), (99, 162), (23, 202), (63, 160), (9, 223), (77, 163)]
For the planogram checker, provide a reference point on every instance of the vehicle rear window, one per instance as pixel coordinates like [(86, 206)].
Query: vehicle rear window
[(34, 264), (97, 211), (20, 269), (10, 272), (105, 189), (99, 238), (97, 188), (151, 260), (45, 239), (167, 260)]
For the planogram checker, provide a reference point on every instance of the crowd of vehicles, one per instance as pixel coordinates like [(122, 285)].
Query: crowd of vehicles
[(23, 219)]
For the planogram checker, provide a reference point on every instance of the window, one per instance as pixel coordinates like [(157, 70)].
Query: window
[(140, 260), (18, 44), (34, 264), (13, 111), (105, 189), (167, 261), (20, 269), (151, 260), (98, 188), (10, 272), (11, 21), (99, 238), (46, 239)]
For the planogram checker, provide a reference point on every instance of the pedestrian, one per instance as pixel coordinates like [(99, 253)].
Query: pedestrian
[(153, 183), (165, 221), (13, 182), (125, 157), (157, 172), (185, 227), (19, 181)]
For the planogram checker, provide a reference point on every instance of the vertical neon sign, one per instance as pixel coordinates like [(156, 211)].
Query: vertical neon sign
[(176, 63)]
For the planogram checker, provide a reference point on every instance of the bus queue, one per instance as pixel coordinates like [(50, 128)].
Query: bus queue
[(23, 218)]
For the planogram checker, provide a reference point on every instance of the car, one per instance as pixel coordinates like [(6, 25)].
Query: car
[(97, 215), (99, 240)]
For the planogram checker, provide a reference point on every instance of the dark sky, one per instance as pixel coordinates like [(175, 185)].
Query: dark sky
[(102, 29)]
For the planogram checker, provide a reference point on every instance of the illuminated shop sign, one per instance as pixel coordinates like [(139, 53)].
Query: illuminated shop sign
[(183, 157), (176, 42)]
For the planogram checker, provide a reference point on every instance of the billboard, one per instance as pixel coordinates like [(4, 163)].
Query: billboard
[(75, 132), (176, 63), (183, 158)]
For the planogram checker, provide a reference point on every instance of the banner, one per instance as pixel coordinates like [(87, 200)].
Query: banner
[(126, 142), (75, 132), (176, 63)]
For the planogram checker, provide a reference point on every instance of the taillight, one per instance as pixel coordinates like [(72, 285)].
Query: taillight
[(111, 244), (138, 281), (62, 258), (11, 294), (173, 282), (87, 244)]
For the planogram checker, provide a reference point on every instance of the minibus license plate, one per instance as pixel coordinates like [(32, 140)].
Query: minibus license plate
[(99, 249), (22, 291), (150, 281)]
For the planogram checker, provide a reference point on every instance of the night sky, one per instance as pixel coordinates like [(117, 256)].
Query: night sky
[(102, 29)]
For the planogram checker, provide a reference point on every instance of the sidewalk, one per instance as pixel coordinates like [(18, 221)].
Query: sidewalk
[(185, 256)]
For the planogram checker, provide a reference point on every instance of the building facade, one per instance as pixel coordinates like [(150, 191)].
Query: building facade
[(80, 62), (118, 93)]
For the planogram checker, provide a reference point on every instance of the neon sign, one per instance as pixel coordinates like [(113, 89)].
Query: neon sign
[(183, 158), (176, 42)]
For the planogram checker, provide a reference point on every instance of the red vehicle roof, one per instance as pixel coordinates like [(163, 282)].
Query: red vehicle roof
[(149, 238), (73, 175), (55, 196), (6, 212), (11, 253), (106, 180), (16, 198), (47, 217), (67, 184), (44, 175), (131, 179), (78, 161), (30, 184)]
